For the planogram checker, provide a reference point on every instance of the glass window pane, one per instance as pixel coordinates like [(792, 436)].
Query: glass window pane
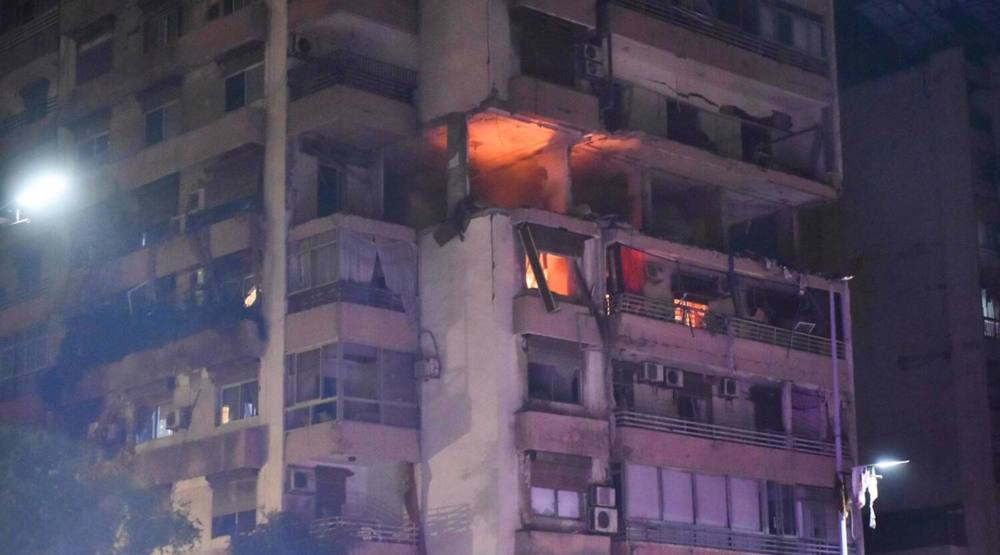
[(678, 503), (229, 408), (568, 504), (235, 91), (543, 501), (249, 395), (154, 126), (307, 375), (710, 500), (361, 411), (161, 423), (324, 264), (745, 503), (359, 373), (297, 418), (397, 377), (324, 412), (254, 83), (552, 383), (642, 499)]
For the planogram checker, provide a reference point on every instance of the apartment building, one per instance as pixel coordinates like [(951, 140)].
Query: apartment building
[(451, 277), (919, 217)]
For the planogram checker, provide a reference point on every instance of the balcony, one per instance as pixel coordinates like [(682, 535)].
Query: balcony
[(729, 34), (373, 98), (20, 45), (345, 292), (401, 539), (399, 14), (724, 539), (555, 103), (991, 327), (12, 123), (715, 432), (175, 461), (730, 134), (739, 328)]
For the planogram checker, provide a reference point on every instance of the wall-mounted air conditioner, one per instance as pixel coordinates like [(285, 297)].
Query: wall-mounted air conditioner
[(673, 378), (651, 372), (728, 388), (603, 520), (603, 496)]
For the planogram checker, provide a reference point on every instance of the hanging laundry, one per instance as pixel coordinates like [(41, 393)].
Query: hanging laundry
[(865, 480)]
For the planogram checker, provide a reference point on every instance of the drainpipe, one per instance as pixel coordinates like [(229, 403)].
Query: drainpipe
[(838, 436)]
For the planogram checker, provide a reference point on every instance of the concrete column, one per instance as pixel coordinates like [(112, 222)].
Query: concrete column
[(558, 184), (270, 483), (458, 160)]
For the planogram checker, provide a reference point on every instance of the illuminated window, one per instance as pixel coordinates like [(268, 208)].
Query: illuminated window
[(238, 402), (557, 270), (690, 313)]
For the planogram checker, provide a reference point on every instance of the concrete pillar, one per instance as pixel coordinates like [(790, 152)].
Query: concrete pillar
[(270, 483), (458, 160), (558, 186)]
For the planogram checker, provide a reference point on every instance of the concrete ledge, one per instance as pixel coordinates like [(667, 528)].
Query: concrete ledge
[(320, 441), (571, 322), (356, 117), (379, 548), (535, 542), (246, 448), (554, 103), (558, 433), (395, 13), (581, 13), (354, 323), (719, 457)]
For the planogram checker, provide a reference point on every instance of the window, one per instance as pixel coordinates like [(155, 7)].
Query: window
[(351, 382), (238, 401), (94, 56), (328, 191), (94, 149), (557, 484), (819, 516), (244, 87), (744, 504), (793, 28), (551, 259), (151, 424), (24, 352), (162, 122), (642, 492), (234, 523), (767, 414), (225, 7), (781, 509), (162, 27), (678, 497), (555, 502), (710, 500), (554, 370)]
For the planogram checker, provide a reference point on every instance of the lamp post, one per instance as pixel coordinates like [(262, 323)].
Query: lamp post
[(39, 191)]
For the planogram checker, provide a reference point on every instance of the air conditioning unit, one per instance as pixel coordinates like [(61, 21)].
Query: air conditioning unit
[(728, 388), (299, 481), (602, 496), (427, 368), (651, 373), (178, 419), (603, 520), (674, 378), (592, 61)]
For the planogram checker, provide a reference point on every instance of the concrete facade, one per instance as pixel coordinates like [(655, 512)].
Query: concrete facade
[(451, 277)]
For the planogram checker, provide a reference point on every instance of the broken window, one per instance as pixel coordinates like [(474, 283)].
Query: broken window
[(551, 262), (558, 483), (151, 423), (244, 86), (238, 401), (555, 368), (352, 382), (547, 46), (94, 51)]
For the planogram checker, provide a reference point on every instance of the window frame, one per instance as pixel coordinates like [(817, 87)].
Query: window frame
[(246, 98), (239, 386), (90, 50), (157, 413), (536, 343)]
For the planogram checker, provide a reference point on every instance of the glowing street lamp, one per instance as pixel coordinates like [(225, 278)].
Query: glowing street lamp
[(40, 191), (882, 465)]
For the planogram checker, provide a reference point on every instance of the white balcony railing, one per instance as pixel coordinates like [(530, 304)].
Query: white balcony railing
[(773, 440), (725, 539), (365, 530)]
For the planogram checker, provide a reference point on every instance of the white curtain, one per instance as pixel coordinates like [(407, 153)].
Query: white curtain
[(357, 257), (399, 264)]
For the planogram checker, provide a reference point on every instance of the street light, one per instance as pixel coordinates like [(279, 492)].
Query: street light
[(882, 465), (40, 190), (847, 483)]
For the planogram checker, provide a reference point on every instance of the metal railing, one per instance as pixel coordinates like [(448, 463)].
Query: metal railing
[(27, 117), (729, 34), (346, 292), (991, 327), (28, 31), (740, 328), (717, 432), (365, 530), (723, 538), (353, 70)]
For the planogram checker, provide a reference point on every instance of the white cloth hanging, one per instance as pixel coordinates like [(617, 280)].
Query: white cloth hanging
[(865, 480)]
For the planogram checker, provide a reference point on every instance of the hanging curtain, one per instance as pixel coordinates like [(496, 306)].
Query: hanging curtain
[(357, 257), (399, 264)]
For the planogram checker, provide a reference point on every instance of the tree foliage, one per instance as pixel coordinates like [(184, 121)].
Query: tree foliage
[(61, 497), (285, 534)]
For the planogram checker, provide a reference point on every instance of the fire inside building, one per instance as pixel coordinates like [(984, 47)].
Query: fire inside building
[(449, 276)]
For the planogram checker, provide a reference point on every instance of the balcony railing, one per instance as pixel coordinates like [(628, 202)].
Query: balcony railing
[(353, 70), (344, 292), (716, 432), (731, 134), (991, 327), (28, 32), (740, 328), (722, 538), (726, 33), (27, 117), (365, 530)]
